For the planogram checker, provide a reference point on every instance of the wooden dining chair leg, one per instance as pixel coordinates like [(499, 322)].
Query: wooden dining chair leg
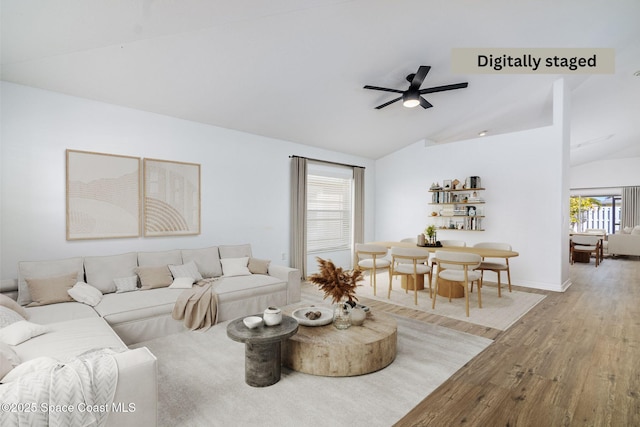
[(433, 301), (373, 277), (390, 281), (466, 297), (508, 273), (415, 288), (479, 295), (499, 284)]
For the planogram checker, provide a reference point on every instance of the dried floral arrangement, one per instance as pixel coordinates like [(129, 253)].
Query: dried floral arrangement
[(335, 282)]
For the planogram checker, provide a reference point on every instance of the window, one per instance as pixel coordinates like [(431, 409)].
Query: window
[(329, 208)]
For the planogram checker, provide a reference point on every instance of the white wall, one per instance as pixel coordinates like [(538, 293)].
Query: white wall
[(245, 178), (607, 173)]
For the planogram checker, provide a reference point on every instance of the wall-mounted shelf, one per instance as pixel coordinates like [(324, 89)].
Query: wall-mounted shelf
[(459, 211)]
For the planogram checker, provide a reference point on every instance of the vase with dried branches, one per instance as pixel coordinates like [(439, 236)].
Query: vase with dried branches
[(340, 285)]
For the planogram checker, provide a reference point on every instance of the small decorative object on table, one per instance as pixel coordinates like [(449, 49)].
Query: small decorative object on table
[(341, 286), (272, 316)]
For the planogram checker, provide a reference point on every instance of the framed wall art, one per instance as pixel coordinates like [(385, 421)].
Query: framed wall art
[(103, 195), (171, 198)]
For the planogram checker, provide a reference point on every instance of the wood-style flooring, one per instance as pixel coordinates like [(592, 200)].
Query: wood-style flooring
[(573, 360)]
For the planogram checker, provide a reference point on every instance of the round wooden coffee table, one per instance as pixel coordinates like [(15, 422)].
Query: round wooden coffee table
[(327, 351)]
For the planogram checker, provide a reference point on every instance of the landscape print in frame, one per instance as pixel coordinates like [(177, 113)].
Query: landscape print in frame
[(171, 198), (103, 195)]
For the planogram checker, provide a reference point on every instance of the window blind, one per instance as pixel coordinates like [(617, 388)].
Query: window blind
[(329, 209)]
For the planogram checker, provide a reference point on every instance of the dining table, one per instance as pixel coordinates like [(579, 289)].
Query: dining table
[(444, 288)]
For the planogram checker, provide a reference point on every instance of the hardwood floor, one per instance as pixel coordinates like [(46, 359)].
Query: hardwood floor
[(574, 359)]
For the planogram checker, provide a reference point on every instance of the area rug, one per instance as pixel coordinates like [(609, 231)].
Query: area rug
[(201, 381), (497, 313)]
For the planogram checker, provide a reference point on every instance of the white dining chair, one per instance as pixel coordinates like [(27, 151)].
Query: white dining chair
[(372, 258), (495, 265), (410, 262), (445, 244), (458, 267)]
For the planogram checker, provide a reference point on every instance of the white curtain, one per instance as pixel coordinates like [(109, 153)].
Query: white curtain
[(630, 209), (299, 214)]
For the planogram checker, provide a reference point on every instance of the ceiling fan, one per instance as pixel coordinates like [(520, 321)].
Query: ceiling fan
[(412, 96)]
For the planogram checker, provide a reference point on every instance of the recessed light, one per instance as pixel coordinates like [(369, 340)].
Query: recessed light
[(483, 133), (637, 73)]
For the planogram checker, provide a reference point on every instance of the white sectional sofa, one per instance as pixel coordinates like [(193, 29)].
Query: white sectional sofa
[(125, 318), (625, 242)]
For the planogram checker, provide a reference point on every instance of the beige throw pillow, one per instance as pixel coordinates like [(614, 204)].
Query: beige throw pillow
[(154, 277), (51, 290), (5, 301), (259, 266)]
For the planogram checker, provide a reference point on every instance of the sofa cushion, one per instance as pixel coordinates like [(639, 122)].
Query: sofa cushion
[(154, 277), (101, 270), (155, 259), (241, 287), (39, 269), (235, 267), (5, 301), (21, 331), (235, 251), (259, 266), (66, 340), (188, 269), (54, 313), (85, 294), (126, 284), (119, 308), (51, 290), (207, 260), (8, 316)]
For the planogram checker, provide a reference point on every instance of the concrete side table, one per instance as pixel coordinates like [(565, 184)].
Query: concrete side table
[(262, 351)]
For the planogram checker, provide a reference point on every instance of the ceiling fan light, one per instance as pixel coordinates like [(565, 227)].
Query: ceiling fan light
[(410, 101)]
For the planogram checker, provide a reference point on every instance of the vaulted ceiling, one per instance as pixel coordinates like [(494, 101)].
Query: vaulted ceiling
[(295, 69)]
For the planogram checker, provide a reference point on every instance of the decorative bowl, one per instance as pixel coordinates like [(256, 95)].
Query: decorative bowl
[(326, 316), (252, 322)]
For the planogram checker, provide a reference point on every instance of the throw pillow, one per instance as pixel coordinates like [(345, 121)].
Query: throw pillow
[(85, 293), (235, 267), (8, 316), (8, 359), (51, 290), (626, 230), (189, 269), (33, 365), (182, 283), (5, 301), (636, 230), (259, 266), (154, 277), (21, 331), (126, 284)]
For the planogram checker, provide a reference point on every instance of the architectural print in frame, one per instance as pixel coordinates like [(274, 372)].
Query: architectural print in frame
[(103, 195), (171, 198)]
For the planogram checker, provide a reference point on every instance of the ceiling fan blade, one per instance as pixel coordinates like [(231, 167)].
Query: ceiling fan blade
[(383, 89), (424, 103), (388, 103), (418, 78), (443, 88)]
